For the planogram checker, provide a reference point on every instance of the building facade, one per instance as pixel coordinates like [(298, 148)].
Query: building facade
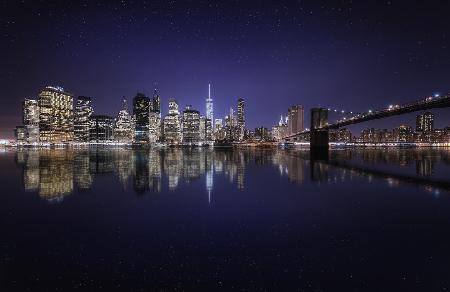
[(124, 125), (141, 111), (241, 119), (56, 120), (101, 128), (30, 120), (425, 122), (191, 125), (295, 119), (82, 114), (209, 105), (172, 124)]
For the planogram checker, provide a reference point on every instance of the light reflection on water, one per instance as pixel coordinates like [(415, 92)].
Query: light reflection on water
[(211, 219), (55, 173)]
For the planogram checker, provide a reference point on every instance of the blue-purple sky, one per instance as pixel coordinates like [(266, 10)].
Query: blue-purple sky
[(343, 54)]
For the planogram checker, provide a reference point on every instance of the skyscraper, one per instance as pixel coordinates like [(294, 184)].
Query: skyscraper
[(425, 122), (172, 124), (155, 118), (241, 118), (191, 125), (124, 126), (295, 119), (141, 110), (101, 128), (31, 120), (55, 115), (83, 111), (209, 106), (155, 105)]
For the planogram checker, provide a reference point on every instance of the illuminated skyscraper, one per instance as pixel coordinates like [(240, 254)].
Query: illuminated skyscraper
[(141, 110), (55, 115), (155, 118), (172, 124), (209, 106), (295, 119), (31, 120), (191, 125), (101, 128), (124, 126), (155, 105), (83, 111), (241, 118), (425, 122)]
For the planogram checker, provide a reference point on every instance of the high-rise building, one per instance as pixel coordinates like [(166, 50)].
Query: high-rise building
[(101, 128), (83, 111), (191, 125), (295, 119), (141, 110), (154, 127), (172, 124), (425, 122), (31, 120), (241, 118), (124, 126), (55, 115), (155, 105), (208, 130), (155, 118), (209, 106)]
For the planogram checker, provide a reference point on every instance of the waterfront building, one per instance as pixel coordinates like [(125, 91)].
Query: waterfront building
[(21, 134), (172, 124), (262, 134), (241, 119), (191, 125), (403, 134), (83, 111), (30, 119), (344, 135), (141, 110), (373, 135), (209, 106), (55, 115), (101, 128), (295, 119), (124, 125), (425, 122)]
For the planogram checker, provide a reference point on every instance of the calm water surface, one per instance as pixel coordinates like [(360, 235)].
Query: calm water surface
[(203, 219)]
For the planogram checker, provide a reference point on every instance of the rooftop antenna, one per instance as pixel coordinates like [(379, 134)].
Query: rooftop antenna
[(209, 90)]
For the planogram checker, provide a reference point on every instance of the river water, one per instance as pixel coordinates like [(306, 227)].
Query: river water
[(224, 219)]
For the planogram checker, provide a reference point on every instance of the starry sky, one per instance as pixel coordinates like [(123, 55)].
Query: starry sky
[(351, 55)]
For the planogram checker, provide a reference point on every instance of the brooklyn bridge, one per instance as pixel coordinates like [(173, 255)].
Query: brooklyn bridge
[(319, 127)]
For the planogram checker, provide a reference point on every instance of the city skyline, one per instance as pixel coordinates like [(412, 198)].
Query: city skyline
[(342, 54)]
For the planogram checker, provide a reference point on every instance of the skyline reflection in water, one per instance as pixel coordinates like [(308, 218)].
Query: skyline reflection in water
[(56, 173), (224, 219)]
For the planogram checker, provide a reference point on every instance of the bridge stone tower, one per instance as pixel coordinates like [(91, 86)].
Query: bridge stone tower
[(319, 134)]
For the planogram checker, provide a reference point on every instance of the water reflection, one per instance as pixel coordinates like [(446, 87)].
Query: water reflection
[(55, 173)]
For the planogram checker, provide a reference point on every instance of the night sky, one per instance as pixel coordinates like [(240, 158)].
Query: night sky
[(342, 54)]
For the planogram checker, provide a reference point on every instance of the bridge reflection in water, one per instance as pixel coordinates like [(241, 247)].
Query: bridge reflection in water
[(56, 173)]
